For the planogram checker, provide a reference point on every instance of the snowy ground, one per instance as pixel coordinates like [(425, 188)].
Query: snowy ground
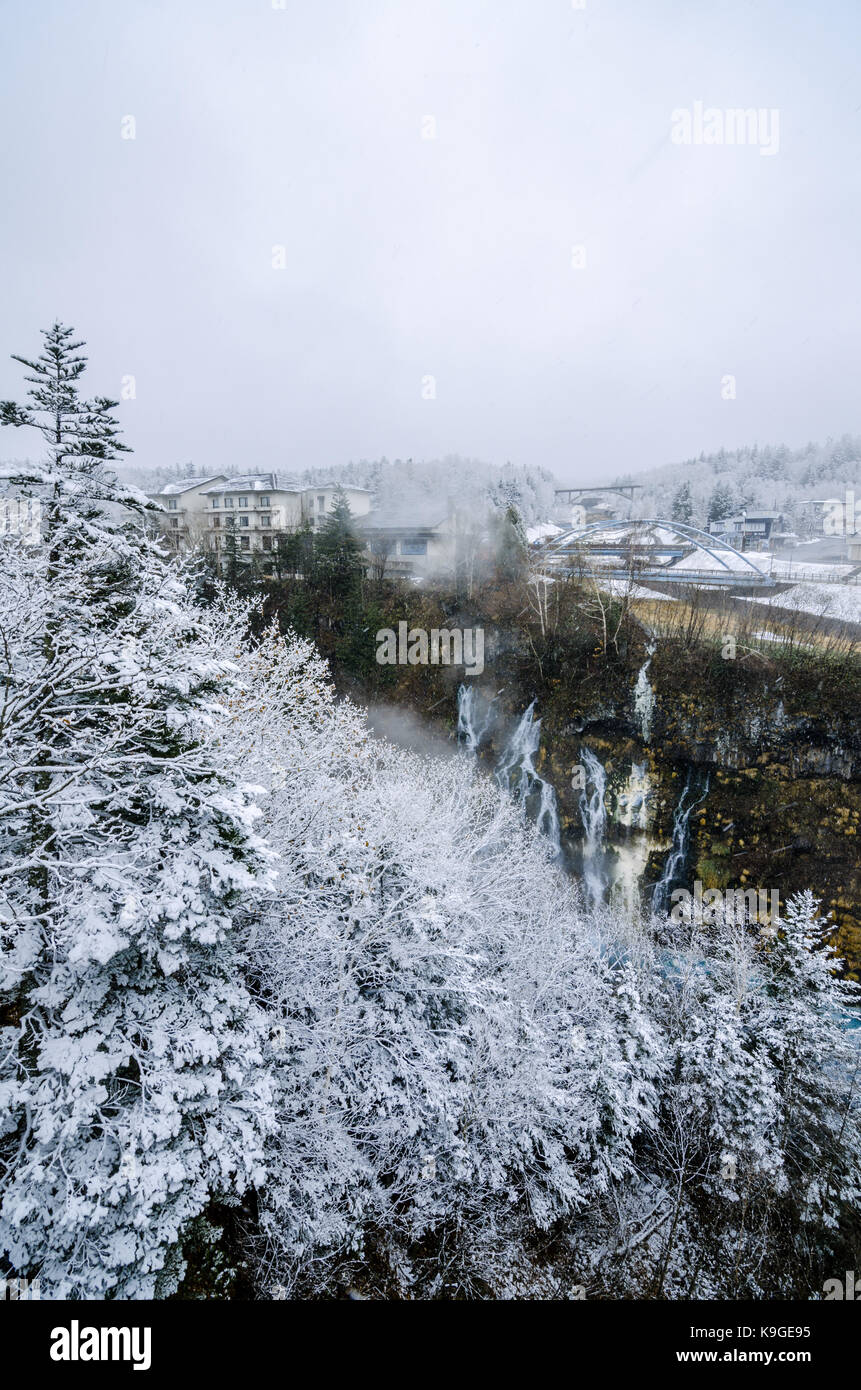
[(791, 569), (825, 600), (634, 591), (545, 530)]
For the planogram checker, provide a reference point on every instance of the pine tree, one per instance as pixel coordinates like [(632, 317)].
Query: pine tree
[(131, 1085), (721, 503), (808, 1027), (512, 550), (339, 550), (81, 435), (683, 504)]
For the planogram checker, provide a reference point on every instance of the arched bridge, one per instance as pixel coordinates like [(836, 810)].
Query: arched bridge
[(667, 551)]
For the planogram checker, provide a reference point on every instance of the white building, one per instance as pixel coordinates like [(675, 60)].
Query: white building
[(255, 507)]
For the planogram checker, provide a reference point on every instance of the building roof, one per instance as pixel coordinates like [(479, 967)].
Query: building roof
[(743, 517), (255, 482), (186, 484), (333, 487), (422, 515)]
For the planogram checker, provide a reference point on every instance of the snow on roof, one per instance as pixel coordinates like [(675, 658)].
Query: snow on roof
[(333, 487), (256, 482), (185, 484)]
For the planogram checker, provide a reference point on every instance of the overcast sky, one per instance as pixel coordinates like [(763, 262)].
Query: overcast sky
[(408, 258)]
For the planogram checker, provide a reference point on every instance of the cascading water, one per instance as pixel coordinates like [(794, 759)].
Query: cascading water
[(593, 813), (632, 812), (688, 802), (644, 697), (471, 727), (632, 846), (516, 774)]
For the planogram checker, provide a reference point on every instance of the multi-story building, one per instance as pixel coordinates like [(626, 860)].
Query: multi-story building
[(255, 508), (183, 503)]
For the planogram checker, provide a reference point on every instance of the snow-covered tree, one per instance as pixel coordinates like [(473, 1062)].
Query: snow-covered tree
[(131, 1078), (454, 1053), (756, 1152), (683, 503), (808, 1027), (722, 502)]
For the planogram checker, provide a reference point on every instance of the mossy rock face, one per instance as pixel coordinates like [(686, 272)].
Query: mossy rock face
[(786, 835)]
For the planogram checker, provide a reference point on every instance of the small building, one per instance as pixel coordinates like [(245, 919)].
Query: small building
[(412, 540), (750, 530)]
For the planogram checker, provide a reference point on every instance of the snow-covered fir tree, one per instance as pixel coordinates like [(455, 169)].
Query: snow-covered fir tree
[(131, 1082)]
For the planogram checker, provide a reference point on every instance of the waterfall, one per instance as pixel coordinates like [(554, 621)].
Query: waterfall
[(470, 728), (644, 697), (632, 811), (593, 814), (516, 774), (688, 802)]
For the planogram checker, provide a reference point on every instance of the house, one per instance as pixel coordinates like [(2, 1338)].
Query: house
[(252, 507), (750, 530), (413, 540)]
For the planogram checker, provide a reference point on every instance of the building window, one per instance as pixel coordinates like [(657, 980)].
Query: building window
[(266, 542), (228, 501), (174, 521), (414, 547), (243, 521), (321, 503), (171, 506), (215, 502), (216, 521), (245, 542), (265, 521), (243, 501), (264, 502)]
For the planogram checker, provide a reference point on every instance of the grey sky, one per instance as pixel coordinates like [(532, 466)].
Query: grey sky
[(448, 257)]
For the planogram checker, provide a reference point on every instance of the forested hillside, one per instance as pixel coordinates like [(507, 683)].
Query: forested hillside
[(772, 477)]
